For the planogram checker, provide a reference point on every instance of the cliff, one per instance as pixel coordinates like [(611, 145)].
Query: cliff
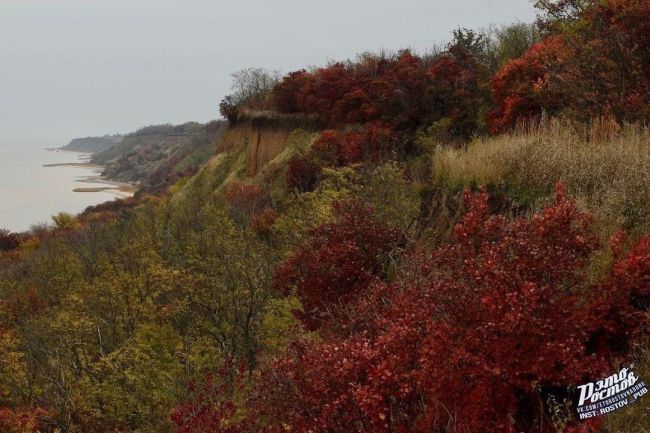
[(262, 138)]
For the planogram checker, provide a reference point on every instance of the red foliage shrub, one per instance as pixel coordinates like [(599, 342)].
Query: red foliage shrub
[(209, 408), (327, 86), (262, 223), (337, 148), (302, 174), (340, 148), (246, 200), (522, 89), (472, 339), (339, 260), (287, 94), (8, 241), (23, 420), (559, 74), (400, 92)]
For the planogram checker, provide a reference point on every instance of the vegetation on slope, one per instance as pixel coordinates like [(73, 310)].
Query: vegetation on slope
[(397, 271), (155, 157)]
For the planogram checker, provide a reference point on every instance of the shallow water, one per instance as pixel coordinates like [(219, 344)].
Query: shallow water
[(30, 193)]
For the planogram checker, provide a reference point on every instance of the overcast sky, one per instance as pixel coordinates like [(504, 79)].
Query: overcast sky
[(72, 68)]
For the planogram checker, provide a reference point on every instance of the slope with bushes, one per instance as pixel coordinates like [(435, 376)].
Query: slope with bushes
[(357, 255), (155, 157)]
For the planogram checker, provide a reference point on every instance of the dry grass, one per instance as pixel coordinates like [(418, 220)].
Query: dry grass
[(606, 168), (634, 418)]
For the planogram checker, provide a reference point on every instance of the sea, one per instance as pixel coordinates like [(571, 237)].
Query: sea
[(31, 193)]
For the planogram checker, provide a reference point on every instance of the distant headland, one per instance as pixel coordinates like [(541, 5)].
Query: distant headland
[(93, 144)]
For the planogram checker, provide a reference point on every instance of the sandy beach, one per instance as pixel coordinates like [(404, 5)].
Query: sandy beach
[(117, 188), (120, 189)]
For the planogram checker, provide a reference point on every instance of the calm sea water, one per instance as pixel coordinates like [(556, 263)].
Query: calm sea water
[(31, 194)]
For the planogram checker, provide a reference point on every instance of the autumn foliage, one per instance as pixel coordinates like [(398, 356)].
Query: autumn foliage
[(208, 409), (246, 200), (340, 260), (596, 63), (352, 286), (23, 420), (302, 174), (403, 91), (524, 87), (475, 336)]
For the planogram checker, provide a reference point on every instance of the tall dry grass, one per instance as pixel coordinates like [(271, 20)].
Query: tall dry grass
[(605, 167)]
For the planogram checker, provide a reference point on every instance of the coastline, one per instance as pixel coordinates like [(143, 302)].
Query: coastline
[(118, 188)]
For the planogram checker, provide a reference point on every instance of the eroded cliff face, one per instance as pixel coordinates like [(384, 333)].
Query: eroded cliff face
[(263, 139)]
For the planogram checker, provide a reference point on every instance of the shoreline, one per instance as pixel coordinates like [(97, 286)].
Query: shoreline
[(75, 164), (118, 188)]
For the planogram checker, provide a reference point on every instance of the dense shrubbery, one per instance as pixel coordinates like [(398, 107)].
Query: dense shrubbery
[(302, 174), (337, 264), (402, 92), (351, 285), (23, 420), (505, 302), (450, 93), (596, 62)]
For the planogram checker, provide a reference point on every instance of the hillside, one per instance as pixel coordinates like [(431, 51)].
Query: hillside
[(443, 243), (239, 260), (155, 157), (92, 144)]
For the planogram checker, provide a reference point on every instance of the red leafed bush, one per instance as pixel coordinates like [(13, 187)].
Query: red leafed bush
[(340, 148), (510, 317), (473, 339), (401, 92), (325, 387), (23, 420), (262, 223), (287, 94), (246, 200), (523, 88), (209, 408), (302, 174), (559, 74), (622, 300), (326, 86), (338, 261), (336, 148)]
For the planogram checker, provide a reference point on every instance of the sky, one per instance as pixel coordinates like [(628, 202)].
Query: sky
[(74, 68)]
